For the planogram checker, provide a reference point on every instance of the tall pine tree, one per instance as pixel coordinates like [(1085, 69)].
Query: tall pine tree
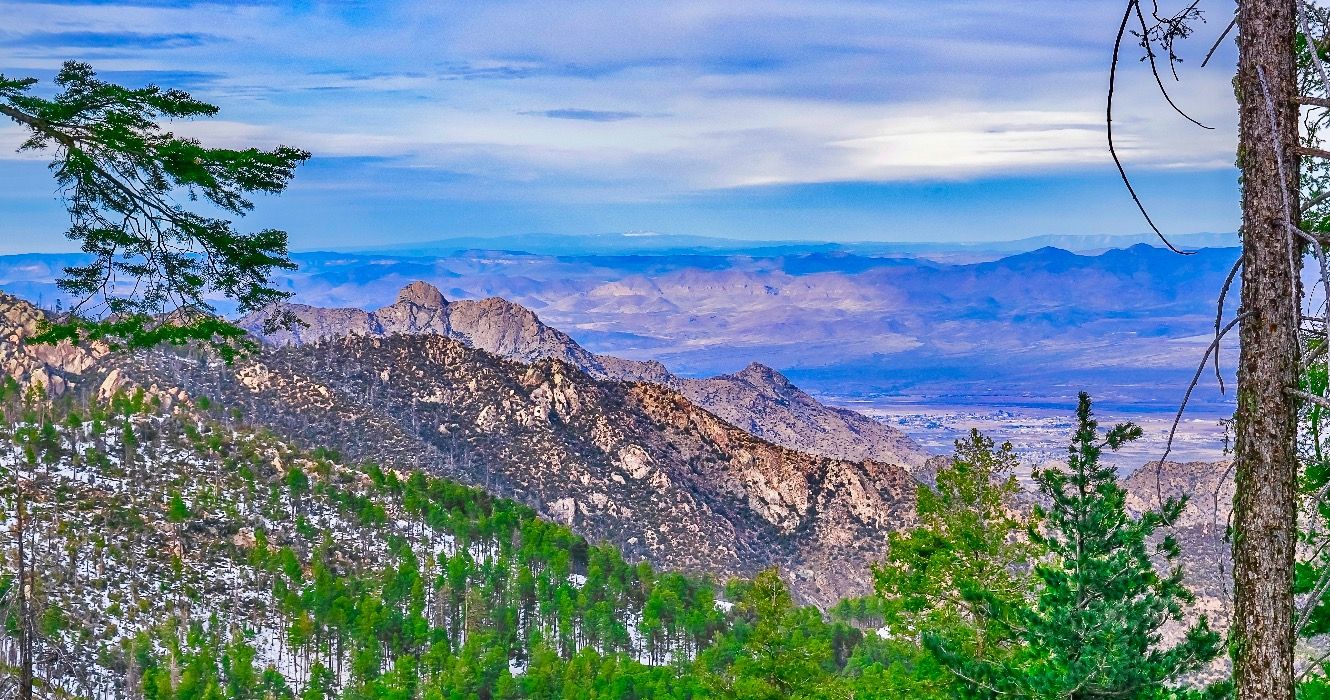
[(1093, 627), (970, 535)]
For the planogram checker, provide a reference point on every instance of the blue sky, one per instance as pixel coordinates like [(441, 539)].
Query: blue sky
[(787, 119)]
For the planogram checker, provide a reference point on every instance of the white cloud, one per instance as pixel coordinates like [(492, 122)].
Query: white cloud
[(735, 94)]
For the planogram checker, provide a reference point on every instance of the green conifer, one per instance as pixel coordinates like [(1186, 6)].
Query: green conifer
[(1093, 628)]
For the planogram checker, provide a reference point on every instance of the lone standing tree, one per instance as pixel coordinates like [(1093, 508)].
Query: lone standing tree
[(154, 261), (1265, 507), (1270, 317)]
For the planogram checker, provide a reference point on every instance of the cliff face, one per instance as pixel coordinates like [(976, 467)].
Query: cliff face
[(634, 464), (1202, 528), (52, 366), (758, 399)]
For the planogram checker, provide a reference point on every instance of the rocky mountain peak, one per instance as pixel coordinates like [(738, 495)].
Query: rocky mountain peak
[(761, 375), (423, 294), (758, 399)]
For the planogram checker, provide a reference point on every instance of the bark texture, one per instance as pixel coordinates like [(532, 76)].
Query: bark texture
[(1265, 504)]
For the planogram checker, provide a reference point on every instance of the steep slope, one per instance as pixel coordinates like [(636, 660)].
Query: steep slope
[(637, 465), (1202, 529), (154, 536), (765, 403), (758, 399)]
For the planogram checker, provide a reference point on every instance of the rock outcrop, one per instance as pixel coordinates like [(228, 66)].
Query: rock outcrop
[(54, 367), (757, 399), (495, 325)]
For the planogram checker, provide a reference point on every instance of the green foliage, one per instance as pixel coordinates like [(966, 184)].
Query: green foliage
[(123, 177), (1311, 580), (201, 666), (378, 582), (777, 650), (1093, 627), (970, 537), (176, 510)]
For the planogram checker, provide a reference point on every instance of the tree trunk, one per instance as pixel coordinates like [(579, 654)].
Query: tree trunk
[(1265, 504), (24, 605)]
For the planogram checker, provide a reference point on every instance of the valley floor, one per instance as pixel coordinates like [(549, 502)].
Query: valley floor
[(1040, 434)]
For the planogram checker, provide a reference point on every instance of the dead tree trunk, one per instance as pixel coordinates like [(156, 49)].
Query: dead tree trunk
[(24, 605), (1265, 505)]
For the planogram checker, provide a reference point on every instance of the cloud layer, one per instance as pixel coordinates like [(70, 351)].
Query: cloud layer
[(587, 101)]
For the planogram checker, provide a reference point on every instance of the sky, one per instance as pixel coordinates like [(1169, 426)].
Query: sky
[(841, 120)]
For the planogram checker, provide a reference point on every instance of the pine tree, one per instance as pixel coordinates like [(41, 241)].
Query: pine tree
[(177, 511), (970, 536), (123, 177), (784, 652), (1093, 628)]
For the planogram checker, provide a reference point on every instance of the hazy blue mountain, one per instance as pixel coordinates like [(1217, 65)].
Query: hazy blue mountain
[(648, 242), (1027, 329)]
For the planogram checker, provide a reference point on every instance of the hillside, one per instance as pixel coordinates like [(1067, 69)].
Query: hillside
[(42, 364), (636, 465), (174, 554)]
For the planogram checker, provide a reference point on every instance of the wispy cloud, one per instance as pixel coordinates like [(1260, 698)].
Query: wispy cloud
[(136, 41), (588, 99), (586, 115)]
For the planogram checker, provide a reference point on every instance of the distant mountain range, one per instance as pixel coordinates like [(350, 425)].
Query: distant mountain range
[(851, 328), (649, 242)]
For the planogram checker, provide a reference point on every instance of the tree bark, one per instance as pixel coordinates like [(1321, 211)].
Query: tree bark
[(1265, 504)]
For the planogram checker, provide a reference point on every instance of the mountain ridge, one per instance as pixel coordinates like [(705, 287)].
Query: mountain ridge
[(758, 398), (637, 465)]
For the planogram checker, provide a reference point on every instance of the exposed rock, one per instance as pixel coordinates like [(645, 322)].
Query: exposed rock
[(54, 367), (495, 325), (764, 402), (757, 399), (422, 294), (638, 465), (563, 511)]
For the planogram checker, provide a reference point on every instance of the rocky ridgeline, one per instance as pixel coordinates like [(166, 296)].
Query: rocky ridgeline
[(758, 399)]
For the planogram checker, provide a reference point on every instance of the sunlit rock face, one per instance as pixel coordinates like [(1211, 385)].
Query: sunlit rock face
[(758, 399), (54, 367)]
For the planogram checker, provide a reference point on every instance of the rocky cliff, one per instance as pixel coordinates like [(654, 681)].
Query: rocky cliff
[(47, 365), (1202, 528), (758, 399), (638, 465)]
